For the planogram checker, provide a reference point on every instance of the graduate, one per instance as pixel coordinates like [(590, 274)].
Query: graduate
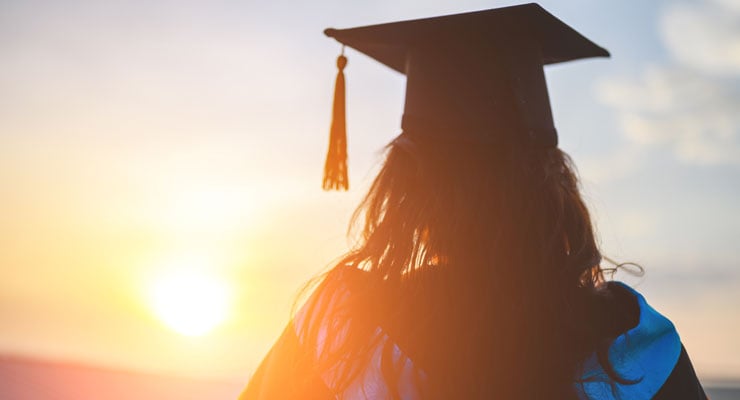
[(478, 275)]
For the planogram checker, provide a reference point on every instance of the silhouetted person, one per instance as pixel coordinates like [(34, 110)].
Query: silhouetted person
[(478, 274)]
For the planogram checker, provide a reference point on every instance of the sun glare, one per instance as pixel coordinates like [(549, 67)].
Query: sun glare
[(191, 303)]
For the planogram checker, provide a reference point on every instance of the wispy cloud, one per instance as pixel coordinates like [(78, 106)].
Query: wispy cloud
[(689, 105), (704, 35)]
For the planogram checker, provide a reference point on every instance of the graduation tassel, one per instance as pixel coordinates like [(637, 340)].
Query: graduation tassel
[(335, 168)]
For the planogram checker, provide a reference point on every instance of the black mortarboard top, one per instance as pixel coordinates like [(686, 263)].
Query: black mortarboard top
[(475, 76)]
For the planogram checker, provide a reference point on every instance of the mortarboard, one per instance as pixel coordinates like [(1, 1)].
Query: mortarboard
[(475, 76)]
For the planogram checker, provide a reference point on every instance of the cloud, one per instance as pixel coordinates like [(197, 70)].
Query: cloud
[(704, 35), (691, 104), (616, 165), (693, 114)]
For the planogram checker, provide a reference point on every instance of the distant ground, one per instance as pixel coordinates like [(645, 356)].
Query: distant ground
[(724, 393), (24, 379)]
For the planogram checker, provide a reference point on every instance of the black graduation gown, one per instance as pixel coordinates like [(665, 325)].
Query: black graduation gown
[(650, 352)]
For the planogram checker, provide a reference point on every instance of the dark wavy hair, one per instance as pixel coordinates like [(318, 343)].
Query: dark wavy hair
[(483, 256)]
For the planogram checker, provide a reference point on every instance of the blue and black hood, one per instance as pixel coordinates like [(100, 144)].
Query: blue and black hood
[(648, 359)]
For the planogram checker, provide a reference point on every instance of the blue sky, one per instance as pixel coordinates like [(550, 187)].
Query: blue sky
[(120, 120)]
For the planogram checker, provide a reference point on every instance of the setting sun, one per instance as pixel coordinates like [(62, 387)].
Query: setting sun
[(189, 302)]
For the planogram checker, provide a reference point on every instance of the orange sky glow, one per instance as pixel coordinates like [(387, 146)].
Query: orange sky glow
[(153, 155)]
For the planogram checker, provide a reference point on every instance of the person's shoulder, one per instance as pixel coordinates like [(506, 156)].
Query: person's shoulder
[(350, 276), (340, 283), (649, 327), (648, 358), (335, 290), (345, 297)]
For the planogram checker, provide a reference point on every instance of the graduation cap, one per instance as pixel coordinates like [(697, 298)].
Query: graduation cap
[(475, 77)]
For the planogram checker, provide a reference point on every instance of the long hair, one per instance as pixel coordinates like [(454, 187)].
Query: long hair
[(482, 255)]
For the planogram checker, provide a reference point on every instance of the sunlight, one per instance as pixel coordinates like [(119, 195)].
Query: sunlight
[(190, 302), (193, 208)]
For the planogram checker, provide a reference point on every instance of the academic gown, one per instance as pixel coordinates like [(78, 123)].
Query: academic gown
[(650, 353)]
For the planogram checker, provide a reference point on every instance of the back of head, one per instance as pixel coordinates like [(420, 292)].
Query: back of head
[(509, 241)]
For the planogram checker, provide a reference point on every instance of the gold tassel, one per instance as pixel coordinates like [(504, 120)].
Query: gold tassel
[(335, 168)]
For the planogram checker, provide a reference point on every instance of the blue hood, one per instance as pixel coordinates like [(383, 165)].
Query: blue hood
[(645, 354)]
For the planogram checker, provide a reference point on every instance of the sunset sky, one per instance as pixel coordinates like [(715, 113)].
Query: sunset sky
[(150, 144)]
